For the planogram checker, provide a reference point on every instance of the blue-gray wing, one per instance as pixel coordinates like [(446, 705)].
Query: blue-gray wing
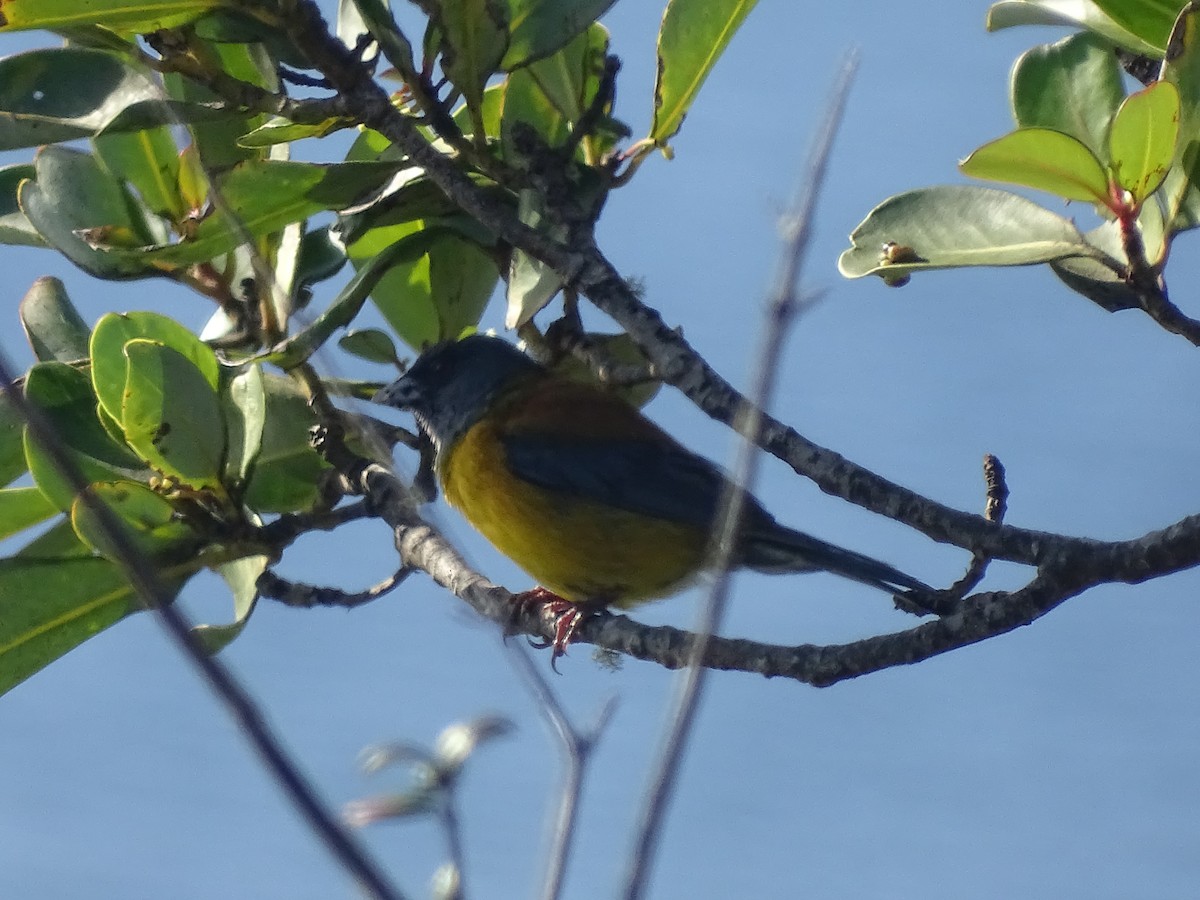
[(661, 480)]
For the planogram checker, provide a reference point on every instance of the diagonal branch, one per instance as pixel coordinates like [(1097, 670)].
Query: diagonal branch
[(585, 268)]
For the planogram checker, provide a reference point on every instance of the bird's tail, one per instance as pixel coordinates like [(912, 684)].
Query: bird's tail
[(779, 549)]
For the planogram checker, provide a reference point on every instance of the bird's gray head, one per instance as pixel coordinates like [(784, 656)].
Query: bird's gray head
[(452, 385)]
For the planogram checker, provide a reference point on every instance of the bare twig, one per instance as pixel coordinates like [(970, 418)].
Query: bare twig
[(994, 510), (576, 747), (307, 596), (784, 306)]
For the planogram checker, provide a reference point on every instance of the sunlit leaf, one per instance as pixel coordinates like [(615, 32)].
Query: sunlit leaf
[(552, 95), (959, 225), (1182, 69), (148, 521), (1150, 20), (114, 330), (64, 397), (1142, 140), (242, 577), (531, 284), (12, 444), (264, 197), (538, 28), (1043, 159), (126, 16), (149, 160), (282, 131), (1073, 86), (693, 36), (1079, 13), (435, 294), (288, 473), (215, 140), (53, 604), (475, 36), (21, 508), (171, 415), (245, 404)]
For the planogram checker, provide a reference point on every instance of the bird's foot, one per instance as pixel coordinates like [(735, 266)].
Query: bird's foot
[(566, 614)]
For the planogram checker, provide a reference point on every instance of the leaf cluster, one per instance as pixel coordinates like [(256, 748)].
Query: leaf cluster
[(1081, 137), (163, 137)]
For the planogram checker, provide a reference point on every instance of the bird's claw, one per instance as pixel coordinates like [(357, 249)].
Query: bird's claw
[(567, 616)]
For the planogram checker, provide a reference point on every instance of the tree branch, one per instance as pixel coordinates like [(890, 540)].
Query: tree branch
[(586, 269)]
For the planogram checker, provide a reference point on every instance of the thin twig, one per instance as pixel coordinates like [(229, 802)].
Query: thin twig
[(576, 747), (995, 507), (308, 596), (784, 306)]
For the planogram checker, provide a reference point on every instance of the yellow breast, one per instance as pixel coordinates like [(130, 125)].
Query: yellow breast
[(583, 550)]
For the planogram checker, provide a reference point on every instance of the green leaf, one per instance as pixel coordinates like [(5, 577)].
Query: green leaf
[(15, 228), (370, 344), (1182, 69), (1149, 20), (1073, 86), (244, 401), (411, 195), (59, 541), (263, 197), (1142, 140), (65, 399), (288, 472), (47, 96), (215, 139), (281, 131), (321, 257), (124, 16), (52, 606), (490, 109), (1043, 159), (531, 284), (377, 258), (115, 330), (539, 28), (149, 160), (242, 577), (959, 225), (53, 326), (373, 16), (165, 111), (149, 522), (553, 94), (171, 414), (72, 194), (474, 39), (1078, 13), (436, 294), (21, 508), (234, 26), (693, 36)]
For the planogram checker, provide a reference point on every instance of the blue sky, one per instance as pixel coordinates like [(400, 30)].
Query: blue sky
[(1055, 762)]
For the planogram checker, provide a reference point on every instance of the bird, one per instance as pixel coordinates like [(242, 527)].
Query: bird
[(585, 493)]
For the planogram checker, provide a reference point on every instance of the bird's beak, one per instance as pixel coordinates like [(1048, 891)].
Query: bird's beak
[(402, 393)]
